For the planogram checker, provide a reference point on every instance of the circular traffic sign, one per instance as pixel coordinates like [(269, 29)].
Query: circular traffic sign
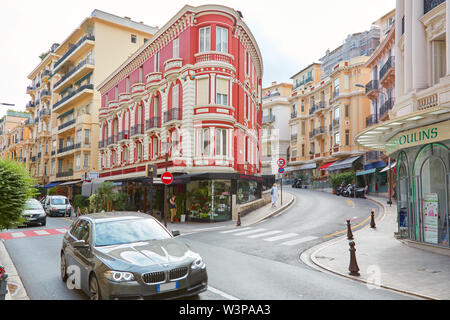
[(167, 178), (281, 162), (281, 170)]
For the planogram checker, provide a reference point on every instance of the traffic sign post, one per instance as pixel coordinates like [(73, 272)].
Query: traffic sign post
[(281, 164), (151, 172), (167, 178)]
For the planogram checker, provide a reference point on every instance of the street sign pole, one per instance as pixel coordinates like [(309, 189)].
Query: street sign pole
[(281, 163), (281, 189), (165, 193)]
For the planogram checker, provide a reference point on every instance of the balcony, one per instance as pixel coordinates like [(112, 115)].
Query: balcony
[(294, 115), (101, 144), (33, 159), (45, 75), (319, 131), (172, 115), (372, 156), (371, 120), (45, 95), (29, 122), (87, 39), (75, 95), (387, 72), (336, 123), (67, 124), (81, 70), (124, 135), (335, 93), (30, 89), (294, 137), (64, 174), (137, 91), (66, 149), (112, 140), (30, 106), (372, 89), (153, 80), (429, 5), (124, 99), (137, 130), (268, 119), (172, 68), (44, 113), (386, 107), (153, 123), (211, 56)]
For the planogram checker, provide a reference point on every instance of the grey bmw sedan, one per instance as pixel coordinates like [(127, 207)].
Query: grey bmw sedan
[(129, 256)]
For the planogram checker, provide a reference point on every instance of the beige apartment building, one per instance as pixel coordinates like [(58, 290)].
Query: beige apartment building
[(64, 103)]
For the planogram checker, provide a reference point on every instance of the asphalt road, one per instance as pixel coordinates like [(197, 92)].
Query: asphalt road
[(260, 263)]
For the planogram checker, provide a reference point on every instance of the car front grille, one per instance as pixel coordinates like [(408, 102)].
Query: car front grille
[(178, 273), (154, 277)]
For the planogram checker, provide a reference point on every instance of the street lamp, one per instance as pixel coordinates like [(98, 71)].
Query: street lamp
[(7, 104)]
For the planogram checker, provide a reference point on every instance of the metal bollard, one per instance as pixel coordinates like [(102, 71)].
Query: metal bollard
[(353, 267), (238, 224), (3, 283), (349, 231), (372, 220), (78, 212)]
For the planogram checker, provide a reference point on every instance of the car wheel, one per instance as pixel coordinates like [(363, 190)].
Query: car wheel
[(63, 268), (44, 223), (94, 288)]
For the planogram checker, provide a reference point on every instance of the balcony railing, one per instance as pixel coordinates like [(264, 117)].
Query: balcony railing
[(30, 105), (172, 114), (336, 122), (64, 174), (213, 56), (387, 106), (372, 155), (387, 66), (45, 93), (371, 86), (29, 122), (318, 131), (67, 148), (268, 119), (153, 123), (101, 144), (74, 70), (67, 124), (429, 5), (294, 115), (335, 93), (294, 137), (371, 120), (73, 48), (44, 112), (72, 94), (137, 129)]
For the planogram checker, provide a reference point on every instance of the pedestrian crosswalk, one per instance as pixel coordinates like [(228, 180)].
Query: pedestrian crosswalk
[(31, 233), (272, 236)]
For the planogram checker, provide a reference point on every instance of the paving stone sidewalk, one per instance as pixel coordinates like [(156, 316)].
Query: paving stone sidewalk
[(400, 267)]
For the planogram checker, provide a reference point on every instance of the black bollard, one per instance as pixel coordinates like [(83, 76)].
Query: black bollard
[(353, 267), (238, 224), (349, 231), (372, 220)]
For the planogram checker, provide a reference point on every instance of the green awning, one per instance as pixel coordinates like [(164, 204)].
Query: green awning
[(363, 173), (65, 114), (81, 80)]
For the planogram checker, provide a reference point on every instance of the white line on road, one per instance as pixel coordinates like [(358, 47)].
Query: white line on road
[(235, 230), (41, 232), (61, 230), (282, 237), (222, 294), (18, 235), (245, 233), (299, 241), (264, 234)]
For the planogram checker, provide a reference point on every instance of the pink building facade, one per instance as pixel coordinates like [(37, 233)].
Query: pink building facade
[(193, 91)]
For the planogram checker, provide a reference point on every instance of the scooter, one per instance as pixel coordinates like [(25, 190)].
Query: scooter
[(348, 191), (340, 190)]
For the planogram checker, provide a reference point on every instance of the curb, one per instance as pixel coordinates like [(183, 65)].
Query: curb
[(311, 255), (14, 277), (278, 211)]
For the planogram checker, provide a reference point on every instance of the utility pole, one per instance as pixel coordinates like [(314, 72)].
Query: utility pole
[(165, 190)]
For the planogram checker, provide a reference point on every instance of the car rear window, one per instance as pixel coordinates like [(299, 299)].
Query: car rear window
[(129, 231), (59, 201)]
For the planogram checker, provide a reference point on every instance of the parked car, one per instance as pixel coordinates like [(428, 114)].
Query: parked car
[(57, 206), (34, 213), (130, 256)]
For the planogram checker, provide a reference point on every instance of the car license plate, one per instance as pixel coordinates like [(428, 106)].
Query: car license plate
[(30, 219), (167, 286)]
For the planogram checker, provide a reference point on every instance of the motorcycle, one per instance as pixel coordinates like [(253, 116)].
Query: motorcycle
[(353, 192), (297, 184), (340, 190)]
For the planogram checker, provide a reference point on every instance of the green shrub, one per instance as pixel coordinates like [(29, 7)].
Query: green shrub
[(345, 177), (80, 202), (16, 187), (52, 191)]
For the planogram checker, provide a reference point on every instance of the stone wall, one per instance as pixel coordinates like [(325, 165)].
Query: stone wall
[(252, 206)]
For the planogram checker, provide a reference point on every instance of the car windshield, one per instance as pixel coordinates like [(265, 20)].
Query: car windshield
[(33, 205), (59, 201), (128, 231)]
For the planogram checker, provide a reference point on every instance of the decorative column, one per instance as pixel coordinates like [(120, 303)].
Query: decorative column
[(419, 45), (399, 62), (408, 70)]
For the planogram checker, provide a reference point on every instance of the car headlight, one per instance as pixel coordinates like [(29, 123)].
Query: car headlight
[(118, 276), (198, 264)]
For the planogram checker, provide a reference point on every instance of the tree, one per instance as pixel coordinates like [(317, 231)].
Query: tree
[(16, 187)]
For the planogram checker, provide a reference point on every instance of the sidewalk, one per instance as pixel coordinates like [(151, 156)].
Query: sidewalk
[(401, 267), (16, 290), (247, 220)]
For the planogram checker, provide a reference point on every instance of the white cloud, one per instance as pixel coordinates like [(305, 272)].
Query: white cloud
[(291, 34)]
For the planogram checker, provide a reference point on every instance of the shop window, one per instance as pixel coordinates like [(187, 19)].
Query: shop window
[(247, 191)]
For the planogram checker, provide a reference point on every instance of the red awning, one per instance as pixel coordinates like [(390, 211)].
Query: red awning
[(325, 166)]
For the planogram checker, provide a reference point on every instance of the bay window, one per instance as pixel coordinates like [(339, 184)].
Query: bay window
[(202, 147), (205, 39), (221, 142), (222, 39)]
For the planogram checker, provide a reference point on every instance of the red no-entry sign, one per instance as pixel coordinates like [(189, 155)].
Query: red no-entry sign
[(167, 178)]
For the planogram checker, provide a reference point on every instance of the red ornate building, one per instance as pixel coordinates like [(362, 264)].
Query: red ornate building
[(193, 91)]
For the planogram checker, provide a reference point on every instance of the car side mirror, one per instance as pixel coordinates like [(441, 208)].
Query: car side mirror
[(176, 233), (80, 244)]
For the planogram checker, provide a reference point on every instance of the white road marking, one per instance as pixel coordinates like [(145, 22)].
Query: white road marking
[(299, 241), (221, 293), (245, 233), (264, 234), (235, 230), (61, 230), (18, 235), (282, 237), (41, 232)]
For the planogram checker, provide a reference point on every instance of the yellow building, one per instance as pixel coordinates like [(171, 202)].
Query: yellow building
[(327, 113), (8, 123), (66, 123)]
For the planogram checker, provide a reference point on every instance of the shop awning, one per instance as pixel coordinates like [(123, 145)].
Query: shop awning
[(70, 183), (308, 166), (325, 166), (375, 165), (290, 169), (51, 185), (387, 168), (363, 173), (343, 164)]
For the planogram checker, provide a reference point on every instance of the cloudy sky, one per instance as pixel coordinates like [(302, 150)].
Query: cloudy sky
[(291, 33)]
